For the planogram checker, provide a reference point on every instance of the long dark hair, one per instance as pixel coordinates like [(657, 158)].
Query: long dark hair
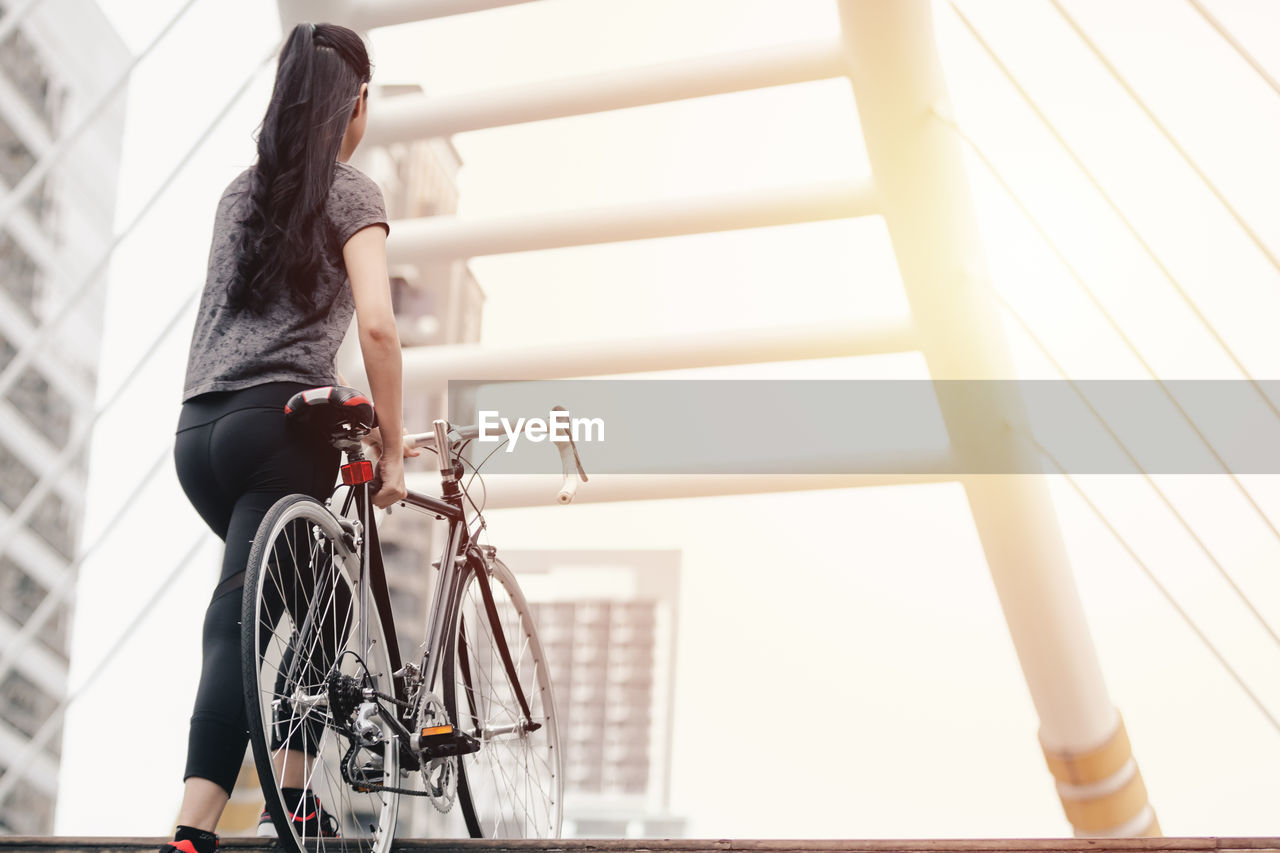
[(283, 233)]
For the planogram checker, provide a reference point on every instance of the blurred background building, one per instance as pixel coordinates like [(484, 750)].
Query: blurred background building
[(607, 620), (51, 73)]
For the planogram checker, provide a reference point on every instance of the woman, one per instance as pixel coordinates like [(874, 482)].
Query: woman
[(299, 244)]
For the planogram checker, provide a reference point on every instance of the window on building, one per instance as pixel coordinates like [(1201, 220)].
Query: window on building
[(52, 519), (35, 398), (23, 705), (19, 275), (20, 595), (16, 160), (53, 522), (16, 479), (43, 406), (26, 811), (22, 64)]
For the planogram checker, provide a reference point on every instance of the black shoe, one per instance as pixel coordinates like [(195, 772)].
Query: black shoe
[(309, 819), (188, 840)]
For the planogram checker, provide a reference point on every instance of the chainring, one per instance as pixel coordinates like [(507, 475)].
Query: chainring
[(439, 775)]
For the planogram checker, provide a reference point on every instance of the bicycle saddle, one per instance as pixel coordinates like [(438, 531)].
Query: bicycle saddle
[(334, 409)]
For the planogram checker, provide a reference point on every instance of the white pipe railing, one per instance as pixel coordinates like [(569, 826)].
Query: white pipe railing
[(370, 14), (411, 117), (509, 491), (430, 367), (440, 238)]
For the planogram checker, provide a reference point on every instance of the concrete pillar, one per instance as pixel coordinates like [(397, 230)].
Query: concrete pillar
[(919, 174)]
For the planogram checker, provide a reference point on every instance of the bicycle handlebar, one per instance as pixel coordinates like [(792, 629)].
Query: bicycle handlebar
[(569, 460)]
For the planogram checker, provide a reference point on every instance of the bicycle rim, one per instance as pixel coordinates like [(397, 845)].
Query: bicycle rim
[(512, 787), (303, 671)]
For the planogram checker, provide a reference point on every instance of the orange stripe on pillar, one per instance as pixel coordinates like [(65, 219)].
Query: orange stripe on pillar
[(1092, 765)]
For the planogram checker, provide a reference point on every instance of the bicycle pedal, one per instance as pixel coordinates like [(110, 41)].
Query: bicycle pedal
[(444, 741)]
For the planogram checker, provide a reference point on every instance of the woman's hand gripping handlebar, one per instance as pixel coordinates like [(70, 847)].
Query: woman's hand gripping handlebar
[(441, 436), (384, 490)]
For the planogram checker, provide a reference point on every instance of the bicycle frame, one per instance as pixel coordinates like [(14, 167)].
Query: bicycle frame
[(457, 554), (444, 596), (457, 557), (327, 687)]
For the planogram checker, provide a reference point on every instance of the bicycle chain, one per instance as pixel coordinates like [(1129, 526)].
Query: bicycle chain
[(378, 787), (439, 775), (408, 706), (373, 786)]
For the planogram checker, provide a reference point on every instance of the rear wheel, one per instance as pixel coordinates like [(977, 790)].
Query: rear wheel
[(512, 787), (304, 676)]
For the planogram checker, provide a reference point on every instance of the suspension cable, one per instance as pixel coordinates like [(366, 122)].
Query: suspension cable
[(1160, 587), (66, 586), (1146, 475), (1115, 208), (18, 767), (62, 145), (1169, 137), (1101, 308), (1186, 525), (1235, 43), (1075, 274), (28, 351)]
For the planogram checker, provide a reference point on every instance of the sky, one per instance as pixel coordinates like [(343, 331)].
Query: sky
[(868, 612)]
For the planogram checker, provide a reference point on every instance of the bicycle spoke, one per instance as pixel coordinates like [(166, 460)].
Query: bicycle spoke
[(304, 623), (512, 785)]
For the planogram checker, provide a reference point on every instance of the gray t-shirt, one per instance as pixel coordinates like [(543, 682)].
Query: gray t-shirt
[(232, 350)]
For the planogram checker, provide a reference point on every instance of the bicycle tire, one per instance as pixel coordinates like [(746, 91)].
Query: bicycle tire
[(299, 625), (513, 787)]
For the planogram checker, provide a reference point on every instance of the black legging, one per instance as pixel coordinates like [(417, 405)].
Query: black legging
[(236, 456)]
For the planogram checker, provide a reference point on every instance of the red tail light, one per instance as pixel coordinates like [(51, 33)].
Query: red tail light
[(355, 473)]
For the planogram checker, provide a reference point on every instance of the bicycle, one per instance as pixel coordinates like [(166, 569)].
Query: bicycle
[(472, 725)]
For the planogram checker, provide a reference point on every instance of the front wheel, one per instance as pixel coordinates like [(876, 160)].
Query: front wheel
[(306, 680), (512, 787)]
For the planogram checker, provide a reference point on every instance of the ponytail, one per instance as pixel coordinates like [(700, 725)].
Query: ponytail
[(282, 235)]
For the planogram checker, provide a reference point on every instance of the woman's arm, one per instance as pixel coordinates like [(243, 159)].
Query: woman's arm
[(365, 255)]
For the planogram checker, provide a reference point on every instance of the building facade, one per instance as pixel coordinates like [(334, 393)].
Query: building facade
[(607, 621), (53, 68)]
